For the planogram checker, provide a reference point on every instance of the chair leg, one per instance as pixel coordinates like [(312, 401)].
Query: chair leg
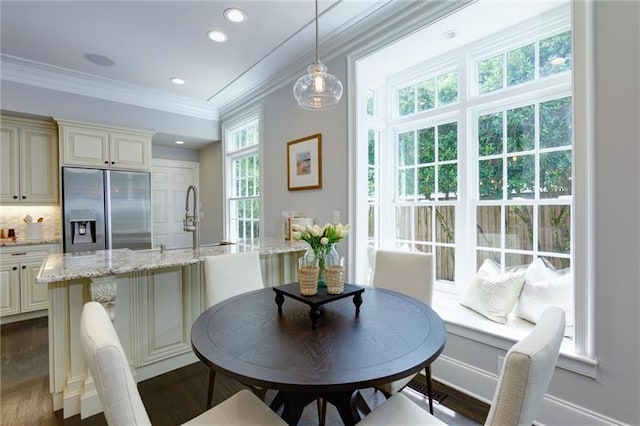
[(360, 404), (429, 388), (259, 392), (322, 410), (212, 380)]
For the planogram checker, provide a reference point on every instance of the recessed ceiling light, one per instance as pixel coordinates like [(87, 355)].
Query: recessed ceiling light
[(177, 80), (102, 60), (179, 142), (235, 15), (448, 35), (217, 36)]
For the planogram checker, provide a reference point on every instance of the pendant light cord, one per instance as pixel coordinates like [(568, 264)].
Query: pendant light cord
[(317, 37)]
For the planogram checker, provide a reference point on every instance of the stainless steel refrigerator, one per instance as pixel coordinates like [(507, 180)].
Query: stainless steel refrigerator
[(105, 209)]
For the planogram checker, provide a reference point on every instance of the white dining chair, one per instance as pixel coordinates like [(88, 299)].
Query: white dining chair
[(119, 394), (409, 273), (524, 380), (228, 275)]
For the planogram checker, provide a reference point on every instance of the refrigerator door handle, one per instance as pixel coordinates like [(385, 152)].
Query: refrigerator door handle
[(107, 209)]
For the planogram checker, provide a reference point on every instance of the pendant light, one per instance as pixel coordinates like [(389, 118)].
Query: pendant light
[(317, 90)]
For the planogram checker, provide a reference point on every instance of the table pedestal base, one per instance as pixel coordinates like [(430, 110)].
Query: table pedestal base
[(295, 402)]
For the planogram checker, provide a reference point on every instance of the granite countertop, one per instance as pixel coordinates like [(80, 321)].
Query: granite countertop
[(10, 242), (68, 266)]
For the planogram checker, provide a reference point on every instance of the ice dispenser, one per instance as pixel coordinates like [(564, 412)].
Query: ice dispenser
[(83, 226)]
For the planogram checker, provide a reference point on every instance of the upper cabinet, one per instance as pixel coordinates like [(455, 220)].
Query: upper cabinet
[(29, 152), (104, 147)]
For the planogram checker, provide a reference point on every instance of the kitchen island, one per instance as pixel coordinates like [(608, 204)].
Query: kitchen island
[(152, 296)]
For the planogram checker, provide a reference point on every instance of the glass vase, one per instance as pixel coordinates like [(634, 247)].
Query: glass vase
[(326, 255)]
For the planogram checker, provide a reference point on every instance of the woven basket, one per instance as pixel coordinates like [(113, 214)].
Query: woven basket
[(335, 279), (308, 279)]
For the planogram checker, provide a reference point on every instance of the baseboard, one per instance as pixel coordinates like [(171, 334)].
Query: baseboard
[(480, 384), (161, 367)]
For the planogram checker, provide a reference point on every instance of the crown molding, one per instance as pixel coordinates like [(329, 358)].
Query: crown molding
[(360, 36), (37, 74)]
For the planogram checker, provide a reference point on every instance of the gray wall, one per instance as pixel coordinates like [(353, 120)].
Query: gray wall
[(284, 121), (211, 193)]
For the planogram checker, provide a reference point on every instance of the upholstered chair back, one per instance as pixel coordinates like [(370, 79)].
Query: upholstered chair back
[(228, 275), (409, 273), (109, 368), (527, 371)]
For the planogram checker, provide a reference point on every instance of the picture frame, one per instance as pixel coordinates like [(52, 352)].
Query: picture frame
[(304, 163)]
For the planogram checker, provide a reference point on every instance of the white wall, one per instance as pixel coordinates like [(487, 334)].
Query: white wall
[(171, 153), (52, 103), (614, 395)]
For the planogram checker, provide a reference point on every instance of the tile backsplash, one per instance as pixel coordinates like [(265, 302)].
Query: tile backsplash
[(11, 217)]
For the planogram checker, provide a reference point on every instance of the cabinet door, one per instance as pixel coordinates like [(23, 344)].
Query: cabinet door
[(161, 335), (9, 288), (9, 172), (130, 151), (84, 147), (33, 295), (38, 166)]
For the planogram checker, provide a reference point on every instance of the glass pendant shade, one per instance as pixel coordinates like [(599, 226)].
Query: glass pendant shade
[(317, 90)]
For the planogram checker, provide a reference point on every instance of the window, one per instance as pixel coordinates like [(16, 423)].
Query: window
[(524, 162), (428, 94), (472, 156), (242, 175)]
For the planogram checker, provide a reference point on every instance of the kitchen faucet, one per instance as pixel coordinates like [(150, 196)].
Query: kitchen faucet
[(192, 222)]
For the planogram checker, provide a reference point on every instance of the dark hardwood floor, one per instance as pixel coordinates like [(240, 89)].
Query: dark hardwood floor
[(170, 399)]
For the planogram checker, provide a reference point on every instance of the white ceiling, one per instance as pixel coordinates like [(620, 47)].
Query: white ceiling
[(151, 41)]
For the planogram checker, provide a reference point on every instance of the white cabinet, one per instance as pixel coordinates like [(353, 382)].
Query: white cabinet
[(104, 147), (29, 151), (19, 267)]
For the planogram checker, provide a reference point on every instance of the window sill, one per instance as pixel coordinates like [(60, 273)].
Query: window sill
[(466, 323)]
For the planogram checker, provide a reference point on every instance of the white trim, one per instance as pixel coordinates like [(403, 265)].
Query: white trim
[(581, 358), (584, 122), (228, 125), (465, 323), (37, 74)]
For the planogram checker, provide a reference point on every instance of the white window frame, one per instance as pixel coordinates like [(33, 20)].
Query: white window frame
[(230, 155), (581, 356)]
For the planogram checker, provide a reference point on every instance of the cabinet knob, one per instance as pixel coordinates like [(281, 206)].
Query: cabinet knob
[(15, 268), (15, 197), (113, 162), (24, 197), (24, 266), (106, 162)]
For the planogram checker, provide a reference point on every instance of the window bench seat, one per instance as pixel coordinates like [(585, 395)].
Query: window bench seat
[(466, 323)]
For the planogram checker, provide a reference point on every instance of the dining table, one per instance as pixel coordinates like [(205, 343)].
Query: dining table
[(260, 341)]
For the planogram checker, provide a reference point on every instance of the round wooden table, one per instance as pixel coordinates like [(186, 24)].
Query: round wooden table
[(246, 339)]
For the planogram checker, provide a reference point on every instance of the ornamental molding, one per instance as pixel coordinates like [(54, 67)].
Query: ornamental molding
[(31, 73)]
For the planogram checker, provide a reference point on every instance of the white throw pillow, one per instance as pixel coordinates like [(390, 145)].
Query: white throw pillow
[(493, 294), (545, 287)]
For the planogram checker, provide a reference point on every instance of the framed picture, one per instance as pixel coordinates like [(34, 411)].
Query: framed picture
[(304, 163)]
